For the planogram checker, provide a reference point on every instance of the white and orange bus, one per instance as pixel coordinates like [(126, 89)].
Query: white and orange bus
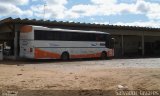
[(37, 42)]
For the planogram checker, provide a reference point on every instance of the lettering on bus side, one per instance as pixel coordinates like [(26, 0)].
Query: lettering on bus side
[(94, 44), (53, 45), (102, 44), (25, 43)]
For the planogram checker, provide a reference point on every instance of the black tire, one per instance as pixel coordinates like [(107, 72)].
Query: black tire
[(65, 56), (103, 55)]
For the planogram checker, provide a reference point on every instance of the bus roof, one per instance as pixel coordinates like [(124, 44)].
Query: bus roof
[(66, 30)]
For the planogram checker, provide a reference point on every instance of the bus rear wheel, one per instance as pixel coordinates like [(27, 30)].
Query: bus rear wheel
[(65, 56), (103, 55)]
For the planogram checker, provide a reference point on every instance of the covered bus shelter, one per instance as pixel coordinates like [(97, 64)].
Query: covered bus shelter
[(129, 40)]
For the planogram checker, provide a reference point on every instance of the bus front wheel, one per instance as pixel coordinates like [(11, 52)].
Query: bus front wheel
[(103, 55), (65, 56)]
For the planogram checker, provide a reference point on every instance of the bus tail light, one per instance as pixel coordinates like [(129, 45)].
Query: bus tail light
[(31, 49)]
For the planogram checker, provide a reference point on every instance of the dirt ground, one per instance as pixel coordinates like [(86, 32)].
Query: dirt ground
[(132, 74)]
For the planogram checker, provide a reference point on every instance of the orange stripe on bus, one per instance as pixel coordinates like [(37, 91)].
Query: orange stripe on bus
[(26, 29), (86, 55), (45, 54)]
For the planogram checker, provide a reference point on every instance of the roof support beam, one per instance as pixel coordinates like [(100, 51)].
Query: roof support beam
[(122, 44), (16, 42), (11, 27), (143, 49)]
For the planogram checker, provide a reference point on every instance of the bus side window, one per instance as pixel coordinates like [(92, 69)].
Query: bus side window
[(97, 38)]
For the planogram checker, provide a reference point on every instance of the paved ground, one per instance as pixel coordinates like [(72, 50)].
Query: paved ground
[(133, 74)]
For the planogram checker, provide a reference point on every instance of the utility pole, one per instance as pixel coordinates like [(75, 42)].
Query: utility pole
[(44, 10)]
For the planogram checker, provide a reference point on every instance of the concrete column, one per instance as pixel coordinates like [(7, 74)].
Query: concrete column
[(1, 52), (15, 42), (143, 49), (122, 44)]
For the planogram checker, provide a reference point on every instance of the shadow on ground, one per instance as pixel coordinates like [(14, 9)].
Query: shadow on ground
[(43, 61)]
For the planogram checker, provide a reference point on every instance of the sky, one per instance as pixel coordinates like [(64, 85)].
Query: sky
[(144, 13)]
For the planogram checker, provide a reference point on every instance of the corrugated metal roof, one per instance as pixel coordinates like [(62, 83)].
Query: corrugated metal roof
[(73, 24)]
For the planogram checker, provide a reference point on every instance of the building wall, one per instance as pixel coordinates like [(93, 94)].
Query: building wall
[(131, 45)]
